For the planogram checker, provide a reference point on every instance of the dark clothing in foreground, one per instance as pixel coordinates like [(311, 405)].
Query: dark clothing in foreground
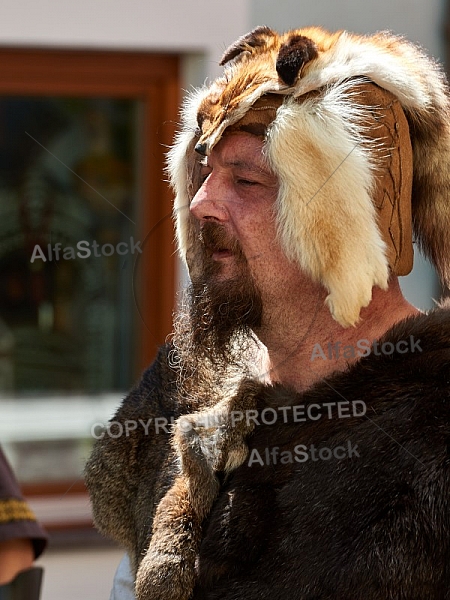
[(17, 520), (371, 521)]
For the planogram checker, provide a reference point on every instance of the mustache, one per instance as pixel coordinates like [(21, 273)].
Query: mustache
[(214, 238)]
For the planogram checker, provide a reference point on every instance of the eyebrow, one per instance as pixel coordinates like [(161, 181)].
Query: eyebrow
[(239, 164), (242, 164)]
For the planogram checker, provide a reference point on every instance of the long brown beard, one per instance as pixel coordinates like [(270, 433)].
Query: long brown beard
[(213, 329)]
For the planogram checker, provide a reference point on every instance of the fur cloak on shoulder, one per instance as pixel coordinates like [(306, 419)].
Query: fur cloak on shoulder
[(366, 515)]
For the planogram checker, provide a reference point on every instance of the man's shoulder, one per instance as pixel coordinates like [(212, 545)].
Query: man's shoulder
[(412, 362), (427, 337), (402, 387), (160, 373), (156, 390), (413, 357)]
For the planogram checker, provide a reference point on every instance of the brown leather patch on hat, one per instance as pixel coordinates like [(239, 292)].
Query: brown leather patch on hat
[(394, 174), (257, 119)]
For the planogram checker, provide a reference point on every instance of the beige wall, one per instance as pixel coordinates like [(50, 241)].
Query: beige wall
[(421, 21), (188, 26)]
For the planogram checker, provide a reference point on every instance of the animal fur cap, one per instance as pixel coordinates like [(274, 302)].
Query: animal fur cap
[(360, 143)]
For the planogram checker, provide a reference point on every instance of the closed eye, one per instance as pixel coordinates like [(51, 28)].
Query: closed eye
[(247, 182)]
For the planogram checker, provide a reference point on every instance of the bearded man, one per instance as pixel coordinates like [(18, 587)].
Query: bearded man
[(309, 456)]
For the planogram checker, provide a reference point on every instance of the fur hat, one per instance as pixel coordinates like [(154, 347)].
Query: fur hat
[(360, 142)]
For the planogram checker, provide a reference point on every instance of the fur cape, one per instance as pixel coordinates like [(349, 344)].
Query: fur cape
[(372, 525), (326, 145)]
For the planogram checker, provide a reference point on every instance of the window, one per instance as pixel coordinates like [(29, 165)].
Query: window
[(86, 246)]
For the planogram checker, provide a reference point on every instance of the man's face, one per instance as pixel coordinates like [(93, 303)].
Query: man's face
[(238, 269), (234, 212), (232, 257)]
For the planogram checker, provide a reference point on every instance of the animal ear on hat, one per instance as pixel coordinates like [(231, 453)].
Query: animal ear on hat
[(293, 55), (254, 39)]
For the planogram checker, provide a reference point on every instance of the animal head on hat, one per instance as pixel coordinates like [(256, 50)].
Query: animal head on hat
[(360, 143)]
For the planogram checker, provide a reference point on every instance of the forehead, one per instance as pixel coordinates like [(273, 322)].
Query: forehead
[(239, 150)]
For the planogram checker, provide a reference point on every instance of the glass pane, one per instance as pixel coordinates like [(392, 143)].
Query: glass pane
[(68, 205)]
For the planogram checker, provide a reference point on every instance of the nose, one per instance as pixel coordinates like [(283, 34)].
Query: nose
[(209, 203)]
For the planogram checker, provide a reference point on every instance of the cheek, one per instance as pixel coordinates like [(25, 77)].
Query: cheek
[(259, 241)]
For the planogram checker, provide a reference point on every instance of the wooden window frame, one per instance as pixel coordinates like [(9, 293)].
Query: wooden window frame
[(154, 80)]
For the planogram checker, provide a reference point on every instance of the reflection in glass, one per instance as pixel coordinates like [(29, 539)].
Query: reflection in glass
[(67, 189)]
